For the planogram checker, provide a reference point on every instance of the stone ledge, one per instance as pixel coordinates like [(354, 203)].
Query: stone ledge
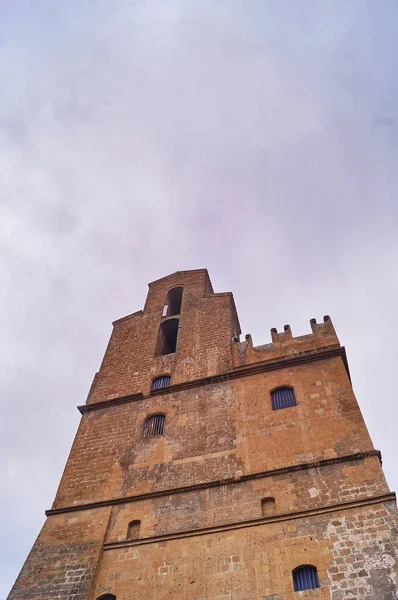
[(237, 373), (254, 522), (216, 483)]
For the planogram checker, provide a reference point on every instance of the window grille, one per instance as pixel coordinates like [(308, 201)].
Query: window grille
[(283, 398), (305, 578), (154, 425), (161, 382)]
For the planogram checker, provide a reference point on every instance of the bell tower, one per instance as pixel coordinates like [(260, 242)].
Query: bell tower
[(208, 468)]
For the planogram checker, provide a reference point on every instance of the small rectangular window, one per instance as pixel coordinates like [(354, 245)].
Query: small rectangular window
[(267, 506), (174, 299), (283, 398), (154, 426), (161, 382), (133, 530), (167, 338), (305, 578)]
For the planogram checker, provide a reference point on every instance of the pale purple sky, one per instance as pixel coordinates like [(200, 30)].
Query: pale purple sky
[(255, 138)]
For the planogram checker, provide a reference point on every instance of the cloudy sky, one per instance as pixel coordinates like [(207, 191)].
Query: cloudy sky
[(255, 138)]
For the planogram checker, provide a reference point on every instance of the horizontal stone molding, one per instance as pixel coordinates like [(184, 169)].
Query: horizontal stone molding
[(253, 522), (217, 483), (238, 372)]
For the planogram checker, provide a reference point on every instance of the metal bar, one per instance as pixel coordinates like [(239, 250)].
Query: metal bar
[(154, 425), (161, 382), (305, 578), (283, 398)]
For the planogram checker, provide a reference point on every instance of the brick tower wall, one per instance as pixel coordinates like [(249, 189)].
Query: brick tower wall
[(198, 489)]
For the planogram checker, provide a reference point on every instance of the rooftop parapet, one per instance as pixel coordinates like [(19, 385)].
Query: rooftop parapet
[(284, 344)]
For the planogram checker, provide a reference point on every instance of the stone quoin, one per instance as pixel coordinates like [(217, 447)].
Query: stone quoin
[(207, 468)]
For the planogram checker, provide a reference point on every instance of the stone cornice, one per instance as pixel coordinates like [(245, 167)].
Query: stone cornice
[(244, 371), (253, 522), (216, 483)]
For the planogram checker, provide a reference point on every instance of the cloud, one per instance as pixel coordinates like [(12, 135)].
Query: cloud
[(141, 138)]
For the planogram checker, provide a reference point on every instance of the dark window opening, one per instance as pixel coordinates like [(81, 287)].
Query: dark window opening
[(283, 398), (154, 425), (161, 382), (305, 578), (133, 530), (267, 506), (174, 298), (167, 339), (106, 597)]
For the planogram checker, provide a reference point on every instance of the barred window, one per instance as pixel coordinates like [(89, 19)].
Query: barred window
[(154, 425), (106, 597), (305, 577), (161, 382), (283, 398)]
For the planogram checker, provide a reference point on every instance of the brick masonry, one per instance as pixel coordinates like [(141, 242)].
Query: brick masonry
[(63, 561), (225, 450), (257, 562)]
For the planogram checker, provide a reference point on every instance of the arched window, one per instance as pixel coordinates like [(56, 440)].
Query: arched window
[(154, 425), (133, 530), (173, 302), (106, 597), (305, 577), (161, 382), (167, 338), (283, 397), (267, 506)]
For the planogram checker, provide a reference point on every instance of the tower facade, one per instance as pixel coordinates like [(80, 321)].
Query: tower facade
[(205, 468)]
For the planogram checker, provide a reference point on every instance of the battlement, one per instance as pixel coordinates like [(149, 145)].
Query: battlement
[(284, 344)]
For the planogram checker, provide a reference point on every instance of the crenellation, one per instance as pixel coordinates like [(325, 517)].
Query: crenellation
[(283, 336), (284, 345)]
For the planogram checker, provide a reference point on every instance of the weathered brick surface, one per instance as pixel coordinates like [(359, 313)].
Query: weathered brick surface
[(198, 445), (293, 492), (222, 436), (364, 550), (64, 558), (214, 431), (257, 562), (325, 423)]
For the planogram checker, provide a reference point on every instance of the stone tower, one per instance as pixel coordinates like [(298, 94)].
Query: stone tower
[(205, 468)]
